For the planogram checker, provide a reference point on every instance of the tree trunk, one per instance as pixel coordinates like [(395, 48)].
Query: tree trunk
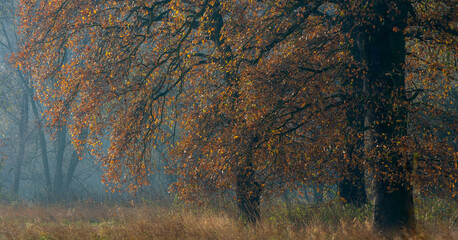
[(385, 58), (73, 163), (71, 170), (43, 149), (58, 177), (248, 192), (352, 188), (289, 203), (23, 128), (41, 135)]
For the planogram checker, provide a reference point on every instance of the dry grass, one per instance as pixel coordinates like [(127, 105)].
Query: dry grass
[(144, 222)]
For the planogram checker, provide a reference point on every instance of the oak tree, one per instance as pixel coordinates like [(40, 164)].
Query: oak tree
[(263, 92)]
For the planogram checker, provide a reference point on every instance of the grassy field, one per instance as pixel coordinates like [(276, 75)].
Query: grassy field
[(436, 220)]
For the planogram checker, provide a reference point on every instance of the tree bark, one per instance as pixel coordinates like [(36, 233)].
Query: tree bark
[(385, 57), (248, 192), (352, 188)]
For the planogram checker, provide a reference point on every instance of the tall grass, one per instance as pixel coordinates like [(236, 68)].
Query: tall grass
[(149, 221)]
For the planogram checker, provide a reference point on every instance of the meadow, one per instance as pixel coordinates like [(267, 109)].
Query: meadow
[(436, 219)]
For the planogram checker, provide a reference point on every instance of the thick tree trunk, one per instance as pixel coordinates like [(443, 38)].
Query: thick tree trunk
[(394, 208), (385, 58), (352, 188), (23, 128), (248, 192)]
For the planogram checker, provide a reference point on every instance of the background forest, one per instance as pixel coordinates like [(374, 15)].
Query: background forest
[(335, 113)]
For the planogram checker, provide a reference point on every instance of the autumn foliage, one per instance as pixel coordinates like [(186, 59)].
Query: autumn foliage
[(251, 96)]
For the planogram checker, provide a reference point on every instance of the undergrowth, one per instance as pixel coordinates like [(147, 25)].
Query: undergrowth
[(437, 219)]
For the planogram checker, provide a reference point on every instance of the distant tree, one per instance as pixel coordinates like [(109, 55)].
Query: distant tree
[(7, 45), (24, 108)]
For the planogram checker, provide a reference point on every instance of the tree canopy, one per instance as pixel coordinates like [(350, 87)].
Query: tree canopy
[(252, 96)]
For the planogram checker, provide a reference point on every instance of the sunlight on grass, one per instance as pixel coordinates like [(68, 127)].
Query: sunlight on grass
[(333, 221)]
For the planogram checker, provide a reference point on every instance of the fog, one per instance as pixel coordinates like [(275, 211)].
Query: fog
[(163, 117), (26, 135)]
